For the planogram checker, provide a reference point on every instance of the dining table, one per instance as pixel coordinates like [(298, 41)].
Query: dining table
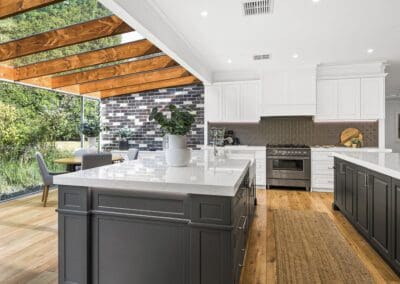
[(73, 162)]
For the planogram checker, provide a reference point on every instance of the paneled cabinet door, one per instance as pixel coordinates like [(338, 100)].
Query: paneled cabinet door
[(349, 190), (327, 99), (250, 102), (230, 102), (348, 99), (380, 217), (372, 98), (340, 180), (361, 217), (213, 111), (396, 223)]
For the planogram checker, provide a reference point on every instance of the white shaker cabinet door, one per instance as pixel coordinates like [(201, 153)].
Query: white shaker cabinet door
[(213, 105), (372, 98), (230, 103), (348, 99), (327, 99), (250, 102)]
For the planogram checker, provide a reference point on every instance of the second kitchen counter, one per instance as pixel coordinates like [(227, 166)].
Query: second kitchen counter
[(322, 173)]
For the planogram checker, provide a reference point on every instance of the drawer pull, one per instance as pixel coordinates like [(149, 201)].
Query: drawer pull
[(243, 226)]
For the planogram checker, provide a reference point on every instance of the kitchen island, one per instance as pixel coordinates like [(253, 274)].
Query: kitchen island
[(144, 222), (367, 192)]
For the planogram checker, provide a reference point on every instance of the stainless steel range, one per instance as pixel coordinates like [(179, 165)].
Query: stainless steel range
[(289, 165)]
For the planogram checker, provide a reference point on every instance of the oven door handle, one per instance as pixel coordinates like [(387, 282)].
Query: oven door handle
[(287, 158)]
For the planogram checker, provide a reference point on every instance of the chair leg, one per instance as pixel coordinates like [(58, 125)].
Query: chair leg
[(43, 192), (46, 195)]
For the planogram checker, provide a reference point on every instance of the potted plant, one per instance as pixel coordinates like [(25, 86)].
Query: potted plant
[(91, 129), (124, 134), (175, 127), (355, 143)]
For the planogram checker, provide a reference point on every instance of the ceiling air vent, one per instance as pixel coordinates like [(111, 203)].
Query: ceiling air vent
[(262, 57), (257, 7)]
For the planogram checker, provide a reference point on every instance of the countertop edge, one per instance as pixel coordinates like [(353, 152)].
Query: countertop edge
[(370, 166), (162, 187)]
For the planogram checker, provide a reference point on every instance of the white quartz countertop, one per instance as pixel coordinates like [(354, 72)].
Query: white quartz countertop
[(237, 147), (348, 149), (205, 175), (384, 163)]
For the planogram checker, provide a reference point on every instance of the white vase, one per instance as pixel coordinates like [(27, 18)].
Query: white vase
[(92, 144), (176, 152)]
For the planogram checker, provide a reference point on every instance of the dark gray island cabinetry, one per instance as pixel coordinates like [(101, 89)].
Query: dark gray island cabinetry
[(370, 200), (116, 235)]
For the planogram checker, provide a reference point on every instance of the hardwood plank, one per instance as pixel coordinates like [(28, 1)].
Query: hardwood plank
[(86, 59), (148, 86), (10, 8), (121, 69), (133, 79), (67, 36)]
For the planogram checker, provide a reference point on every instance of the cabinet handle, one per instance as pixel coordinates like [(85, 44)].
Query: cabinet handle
[(244, 223), (241, 265), (243, 250), (331, 168), (365, 180)]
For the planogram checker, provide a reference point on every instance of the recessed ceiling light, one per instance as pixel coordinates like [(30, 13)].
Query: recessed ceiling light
[(204, 13), (315, 1), (295, 56), (229, 61), (370, 50)]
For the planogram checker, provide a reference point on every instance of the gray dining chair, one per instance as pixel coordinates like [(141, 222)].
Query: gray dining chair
[(133, 154), (47, 177), (95, 160)]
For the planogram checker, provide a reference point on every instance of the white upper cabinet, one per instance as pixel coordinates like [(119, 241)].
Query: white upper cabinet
[(230, 102), (289, 92), (348, 99), (373, 98), (327, 99), (212, 102), (233, 102), (351, 92)]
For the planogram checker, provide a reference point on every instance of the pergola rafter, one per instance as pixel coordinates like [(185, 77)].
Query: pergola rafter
[(9, 8), (130, 67)]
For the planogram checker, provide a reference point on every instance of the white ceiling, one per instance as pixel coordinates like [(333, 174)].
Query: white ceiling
[(330, 31)]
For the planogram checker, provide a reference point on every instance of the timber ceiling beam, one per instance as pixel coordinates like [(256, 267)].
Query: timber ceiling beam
[(9, 8), (75, 34), (86, 59), (134, 79), (131, 67), (188, 80), (7, 72)]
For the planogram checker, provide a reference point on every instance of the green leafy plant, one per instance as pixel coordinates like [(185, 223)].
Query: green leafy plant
[(179, 123), (124, 133), (91, 128)]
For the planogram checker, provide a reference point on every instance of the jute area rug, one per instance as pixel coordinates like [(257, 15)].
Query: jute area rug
[(310, 249)]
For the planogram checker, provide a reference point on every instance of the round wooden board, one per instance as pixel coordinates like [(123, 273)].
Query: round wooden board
[(348, 134)]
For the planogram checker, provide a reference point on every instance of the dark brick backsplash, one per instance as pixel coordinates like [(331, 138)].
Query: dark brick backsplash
[(298, 130), (132, 111)]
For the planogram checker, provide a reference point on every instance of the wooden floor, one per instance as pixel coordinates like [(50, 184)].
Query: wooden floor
[(28, 238), (260, 263)]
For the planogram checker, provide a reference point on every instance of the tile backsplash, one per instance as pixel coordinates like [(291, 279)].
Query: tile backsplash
[(298, 130)]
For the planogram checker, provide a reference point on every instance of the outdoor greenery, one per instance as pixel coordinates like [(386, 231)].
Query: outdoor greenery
[(33, 119), (179, 123)]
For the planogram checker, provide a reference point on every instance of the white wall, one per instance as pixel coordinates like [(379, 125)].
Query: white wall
[(392, 109)]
